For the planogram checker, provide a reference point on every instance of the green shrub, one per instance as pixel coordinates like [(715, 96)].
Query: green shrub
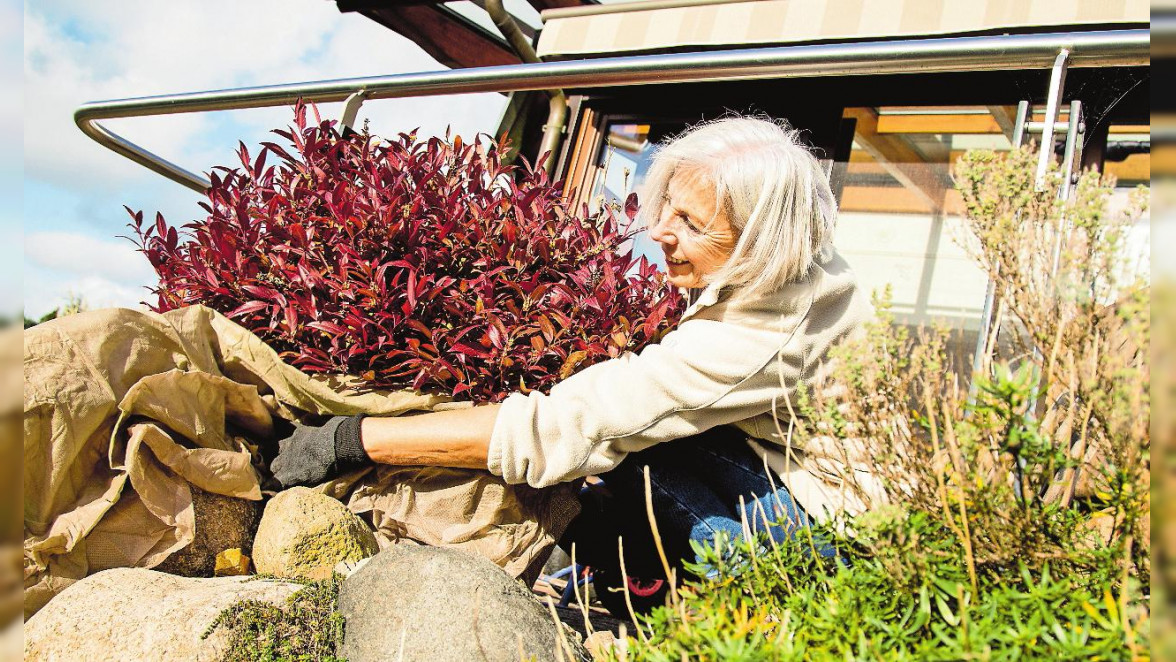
[(1008, 516), (898, 591)]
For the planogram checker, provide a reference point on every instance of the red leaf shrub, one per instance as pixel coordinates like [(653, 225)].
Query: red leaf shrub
[(425, 265)]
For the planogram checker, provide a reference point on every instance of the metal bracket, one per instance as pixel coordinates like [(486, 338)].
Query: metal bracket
[(351, 108), (1053, 100)]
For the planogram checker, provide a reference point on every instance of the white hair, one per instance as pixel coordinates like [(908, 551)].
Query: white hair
[(774, 191)]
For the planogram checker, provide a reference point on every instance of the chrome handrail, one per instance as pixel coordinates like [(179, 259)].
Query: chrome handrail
[(984, 53)]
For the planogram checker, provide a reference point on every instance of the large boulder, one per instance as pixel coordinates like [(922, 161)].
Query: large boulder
[(137, 614), (305, 534), (222, 522), (438, 604)]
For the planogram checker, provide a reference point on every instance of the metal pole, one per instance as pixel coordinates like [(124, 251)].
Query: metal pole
[(1021, 123), (1019, 128), (557, 102), (958, 54), (1073, 147)]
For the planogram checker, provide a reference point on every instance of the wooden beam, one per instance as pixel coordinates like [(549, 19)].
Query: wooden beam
[(1130, 128), (540, 5), (582, 166), (1165, 161), (1135, 168), (999, 120), (1006, 119), (448, 37), (938, 124), (900, 159), (893, 200)]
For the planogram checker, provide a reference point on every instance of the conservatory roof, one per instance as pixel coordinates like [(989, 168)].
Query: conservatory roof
[(675, 25)]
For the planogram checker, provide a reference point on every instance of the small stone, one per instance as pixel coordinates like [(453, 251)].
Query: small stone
[(222, 522), (306, 534), (600, 643), (231, 562), (138, 614)]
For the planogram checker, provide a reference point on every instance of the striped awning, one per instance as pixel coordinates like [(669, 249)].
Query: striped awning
[(673, 25)]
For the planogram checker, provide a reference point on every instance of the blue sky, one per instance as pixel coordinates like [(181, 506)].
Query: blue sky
[(74, 190)]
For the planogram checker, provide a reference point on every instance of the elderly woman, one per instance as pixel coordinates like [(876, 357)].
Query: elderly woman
[(745, 217)]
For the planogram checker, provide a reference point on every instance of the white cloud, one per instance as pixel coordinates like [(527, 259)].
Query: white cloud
[(138, 48), (88, 256), (44, 293), (10, 77), (59, 77), (77, 51)]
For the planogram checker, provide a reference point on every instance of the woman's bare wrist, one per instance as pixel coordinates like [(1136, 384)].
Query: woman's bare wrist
[(459, 438)]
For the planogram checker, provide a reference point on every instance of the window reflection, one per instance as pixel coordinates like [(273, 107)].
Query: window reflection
[(901, 224)]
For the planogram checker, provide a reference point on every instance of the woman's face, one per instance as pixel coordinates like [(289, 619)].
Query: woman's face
[(695, 235)]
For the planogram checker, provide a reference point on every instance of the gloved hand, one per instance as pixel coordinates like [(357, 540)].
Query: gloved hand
[(314, 454)]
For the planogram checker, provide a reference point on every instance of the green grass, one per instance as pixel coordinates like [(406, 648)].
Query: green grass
[(900, 590), (306, 629)]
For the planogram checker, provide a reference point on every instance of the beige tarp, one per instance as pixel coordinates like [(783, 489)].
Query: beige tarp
[(124, 409), (664, 26)]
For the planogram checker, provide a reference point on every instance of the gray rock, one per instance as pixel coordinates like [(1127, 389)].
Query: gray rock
[(558, 560), (137, 614), (444, 605), (305, 534), (222, 522)]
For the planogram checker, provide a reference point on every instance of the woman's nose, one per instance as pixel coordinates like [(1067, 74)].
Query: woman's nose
[(660, 232)]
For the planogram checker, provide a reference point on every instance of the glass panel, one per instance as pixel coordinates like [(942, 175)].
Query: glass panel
[(900, 223), (622, 167), (1128, 158), (625, 160), (1128, 154)]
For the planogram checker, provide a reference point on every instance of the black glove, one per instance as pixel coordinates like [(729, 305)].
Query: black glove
[(313, 454)]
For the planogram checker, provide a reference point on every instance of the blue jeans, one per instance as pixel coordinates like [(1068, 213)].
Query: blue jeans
[(696, 484)]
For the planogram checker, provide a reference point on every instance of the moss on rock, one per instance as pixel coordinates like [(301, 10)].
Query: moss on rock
[(305, 534), (306, 629)]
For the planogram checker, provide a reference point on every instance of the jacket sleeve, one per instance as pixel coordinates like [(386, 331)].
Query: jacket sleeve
[(703, 374)]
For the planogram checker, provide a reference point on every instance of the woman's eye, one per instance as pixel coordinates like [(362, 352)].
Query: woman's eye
[(690, 226)]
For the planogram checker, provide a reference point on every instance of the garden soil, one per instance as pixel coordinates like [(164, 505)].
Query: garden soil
[(125, 410)]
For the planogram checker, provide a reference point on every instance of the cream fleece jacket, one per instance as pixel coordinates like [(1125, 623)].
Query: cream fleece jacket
[(725, 363)]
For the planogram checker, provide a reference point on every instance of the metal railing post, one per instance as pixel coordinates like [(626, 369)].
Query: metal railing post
[(986, 315)]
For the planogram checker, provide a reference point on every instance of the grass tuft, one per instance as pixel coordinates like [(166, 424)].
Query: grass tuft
[(306, 629)]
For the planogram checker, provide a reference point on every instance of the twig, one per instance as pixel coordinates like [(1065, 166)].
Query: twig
[(625, 588), (751, 545), (576, 589), (775, 548), (747, 535), (661, 552), (967, 538), (561, 638), (1124, 588), (948, 517)]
